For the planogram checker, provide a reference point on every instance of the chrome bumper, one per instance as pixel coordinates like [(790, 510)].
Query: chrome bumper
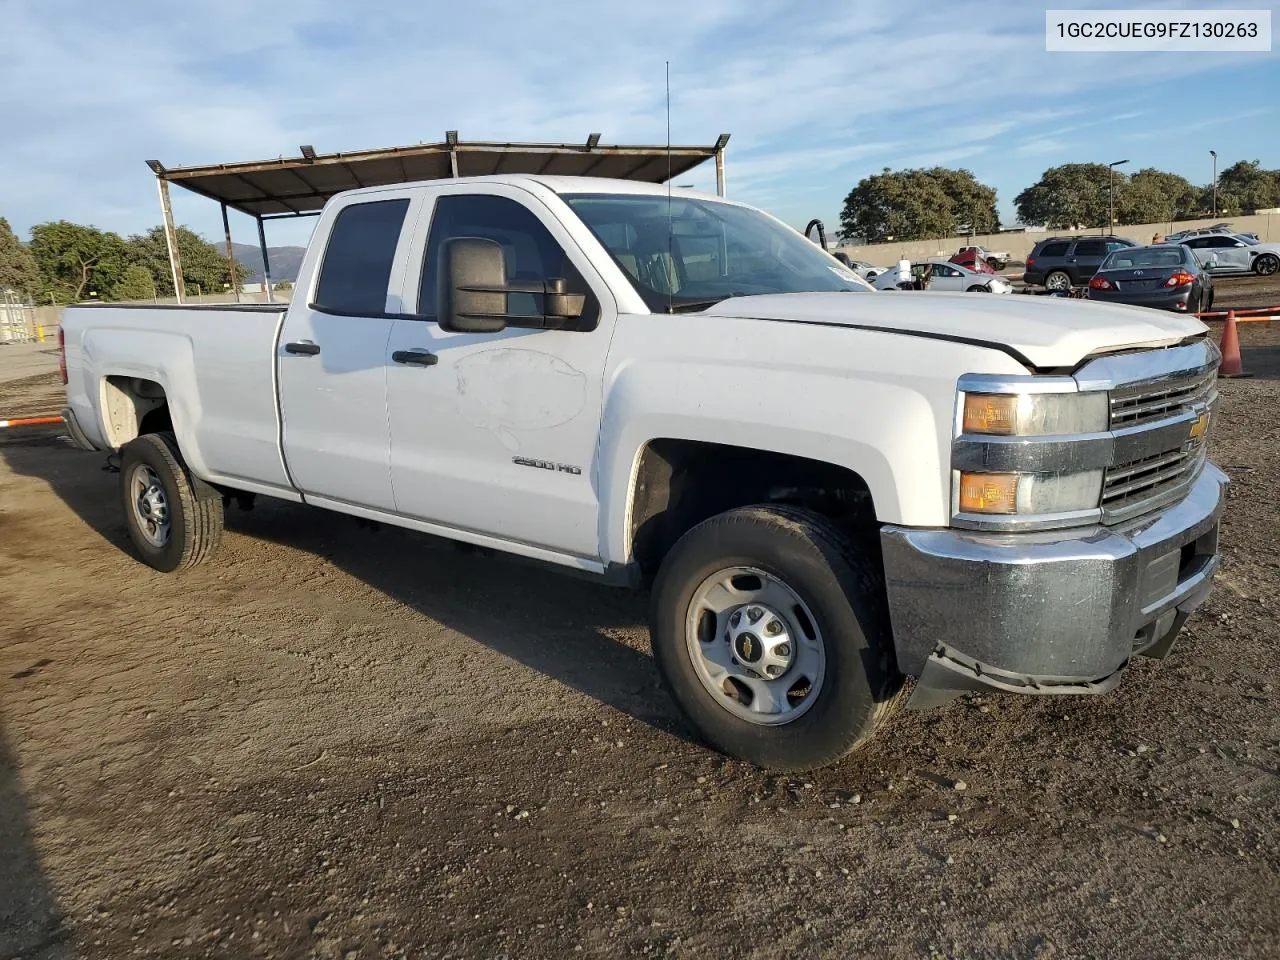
[(1055, 612)]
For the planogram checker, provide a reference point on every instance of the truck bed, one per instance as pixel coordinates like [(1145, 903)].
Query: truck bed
[(216, 364)]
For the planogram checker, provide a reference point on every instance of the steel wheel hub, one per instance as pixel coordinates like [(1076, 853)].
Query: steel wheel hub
[(150, 506), (760, 641), (755, 645)]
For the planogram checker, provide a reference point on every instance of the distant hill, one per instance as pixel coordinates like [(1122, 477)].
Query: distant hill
[(285, 261)]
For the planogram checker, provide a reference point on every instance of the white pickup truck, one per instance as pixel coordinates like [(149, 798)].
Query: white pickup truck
[(828, 489)]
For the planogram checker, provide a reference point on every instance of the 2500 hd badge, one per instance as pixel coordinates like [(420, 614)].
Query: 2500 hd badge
[(547, 465)]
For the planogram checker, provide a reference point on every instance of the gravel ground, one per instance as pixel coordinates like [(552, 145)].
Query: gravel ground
[(339, 743)]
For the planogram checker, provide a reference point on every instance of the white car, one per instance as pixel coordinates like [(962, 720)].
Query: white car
[(1228, 253), (867, 271), (948, 277)]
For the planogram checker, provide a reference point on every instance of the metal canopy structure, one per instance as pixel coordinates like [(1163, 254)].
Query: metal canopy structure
[(300, 186)]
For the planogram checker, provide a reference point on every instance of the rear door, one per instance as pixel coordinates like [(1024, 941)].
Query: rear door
[(332, 354), (498, 434), (1086, 257)]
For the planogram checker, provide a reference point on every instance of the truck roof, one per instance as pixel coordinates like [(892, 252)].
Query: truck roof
[(557, 184)]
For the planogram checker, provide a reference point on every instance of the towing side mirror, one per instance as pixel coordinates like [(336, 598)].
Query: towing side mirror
[(472, 291)]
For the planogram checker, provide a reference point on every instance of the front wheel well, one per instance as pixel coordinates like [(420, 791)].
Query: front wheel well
[(680, 483)]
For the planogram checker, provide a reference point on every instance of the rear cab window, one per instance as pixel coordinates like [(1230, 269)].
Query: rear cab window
[(356, 271)]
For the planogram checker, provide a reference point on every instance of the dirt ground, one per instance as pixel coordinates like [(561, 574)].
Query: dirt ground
[(338, 743)]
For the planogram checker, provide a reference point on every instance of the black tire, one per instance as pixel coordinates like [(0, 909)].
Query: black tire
[(978, 288), (194, 508), (995, 264), (1266, 265), (1057, 280), (845, 592)]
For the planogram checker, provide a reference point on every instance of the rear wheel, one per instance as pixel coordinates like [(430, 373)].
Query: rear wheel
[(1266, 265), (770, 631), (174, 520), (1057, 280)]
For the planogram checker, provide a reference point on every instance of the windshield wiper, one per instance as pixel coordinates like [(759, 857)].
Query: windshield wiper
[(693, 306)]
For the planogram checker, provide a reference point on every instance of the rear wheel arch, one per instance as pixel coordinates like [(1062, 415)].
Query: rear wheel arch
[(133, 407)]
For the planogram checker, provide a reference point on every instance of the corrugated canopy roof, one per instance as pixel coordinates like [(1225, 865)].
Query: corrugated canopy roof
[(292, 186)]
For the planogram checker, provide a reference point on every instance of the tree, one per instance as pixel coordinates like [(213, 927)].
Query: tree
[(1154, 196), (1069, 196), (135, 284), (1246, 186), (18, 269), (973, 204), (75, 260), (203, 264), (917, 205)]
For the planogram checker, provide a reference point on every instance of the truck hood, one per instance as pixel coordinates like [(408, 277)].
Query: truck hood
[(1046, 331)]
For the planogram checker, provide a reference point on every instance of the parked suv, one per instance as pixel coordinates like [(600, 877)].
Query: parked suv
[(1060, 263)]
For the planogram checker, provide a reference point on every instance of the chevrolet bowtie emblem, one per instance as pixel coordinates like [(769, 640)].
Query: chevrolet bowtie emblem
[(1200, 426)]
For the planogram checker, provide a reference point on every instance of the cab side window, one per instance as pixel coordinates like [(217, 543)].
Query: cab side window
[(357, 263), (531, 253)]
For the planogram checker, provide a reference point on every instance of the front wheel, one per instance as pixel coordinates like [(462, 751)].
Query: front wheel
[(1266, 265), (174, 520), (770, 631), (978, 288)]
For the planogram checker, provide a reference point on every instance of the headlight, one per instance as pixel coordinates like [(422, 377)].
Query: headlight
[(1035, 414), (1029, 493)]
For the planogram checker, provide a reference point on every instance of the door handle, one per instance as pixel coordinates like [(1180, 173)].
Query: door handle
[(418, 358), (302, 347)]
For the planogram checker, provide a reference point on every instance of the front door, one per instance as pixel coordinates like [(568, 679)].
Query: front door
[(497, 434), (332, 358)]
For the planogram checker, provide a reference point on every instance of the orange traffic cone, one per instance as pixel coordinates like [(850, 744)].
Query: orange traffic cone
[(1232, 365)]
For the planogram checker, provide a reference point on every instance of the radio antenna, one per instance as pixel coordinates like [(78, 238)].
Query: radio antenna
[(671, 255)]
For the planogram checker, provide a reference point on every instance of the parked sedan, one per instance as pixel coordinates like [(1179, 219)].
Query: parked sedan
[(1165, 276), (1226, 253), (949, 277)]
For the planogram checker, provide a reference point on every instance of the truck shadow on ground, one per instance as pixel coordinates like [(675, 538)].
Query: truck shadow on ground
[(566, 628), (30, 921), (562, 626)]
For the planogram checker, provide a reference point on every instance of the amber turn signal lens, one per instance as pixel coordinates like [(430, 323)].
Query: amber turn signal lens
[(990, 413), (988, 493)]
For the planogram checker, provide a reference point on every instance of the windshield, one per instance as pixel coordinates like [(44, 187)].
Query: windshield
[(1144, 257), (691, 253), (1246, 240)]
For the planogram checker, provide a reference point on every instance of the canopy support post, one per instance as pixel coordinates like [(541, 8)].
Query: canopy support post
[(171, 238), (231, 257), (266, 264)]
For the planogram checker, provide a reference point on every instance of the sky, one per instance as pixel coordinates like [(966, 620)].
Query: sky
[(816, 96)]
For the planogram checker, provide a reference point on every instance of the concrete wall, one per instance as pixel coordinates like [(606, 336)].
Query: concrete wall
[(1018, 245)]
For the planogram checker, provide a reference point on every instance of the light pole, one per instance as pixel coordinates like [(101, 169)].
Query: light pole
[(1111, 173), (1214, 154)]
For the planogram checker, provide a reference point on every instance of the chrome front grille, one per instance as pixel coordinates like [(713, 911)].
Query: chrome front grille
[(1136, 486), (1148, 403)]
